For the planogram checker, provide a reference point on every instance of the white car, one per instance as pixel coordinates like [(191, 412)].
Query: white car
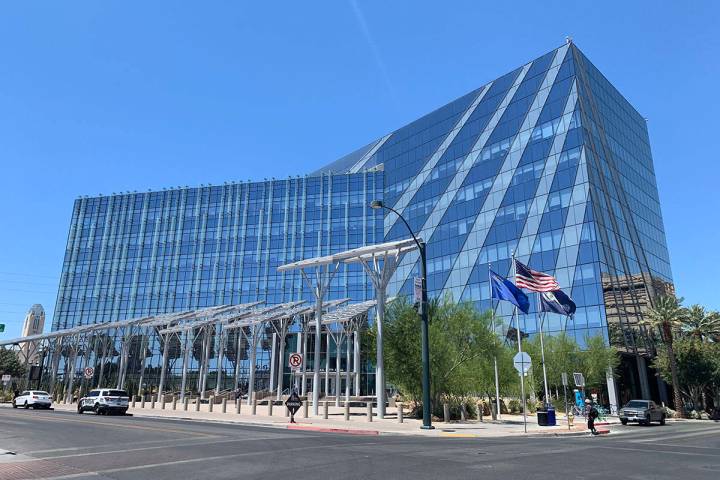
[(104, 401), (32, 398)]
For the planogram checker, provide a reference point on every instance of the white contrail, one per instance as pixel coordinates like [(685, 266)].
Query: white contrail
[(373, 46)]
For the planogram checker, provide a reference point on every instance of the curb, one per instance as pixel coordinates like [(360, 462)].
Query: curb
[(333, 430), (350, 431)]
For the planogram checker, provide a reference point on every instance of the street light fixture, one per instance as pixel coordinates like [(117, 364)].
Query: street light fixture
[(427, 418)]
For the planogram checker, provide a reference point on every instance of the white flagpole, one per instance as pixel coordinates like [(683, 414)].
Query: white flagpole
[(541, 317), (519, 342), (497, 380)]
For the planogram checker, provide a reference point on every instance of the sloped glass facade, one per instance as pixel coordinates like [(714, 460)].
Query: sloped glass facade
[(548, 162)]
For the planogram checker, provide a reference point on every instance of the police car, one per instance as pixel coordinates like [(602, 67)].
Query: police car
[(104, 402)]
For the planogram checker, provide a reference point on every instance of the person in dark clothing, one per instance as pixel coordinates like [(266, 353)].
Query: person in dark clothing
[(591, 414)]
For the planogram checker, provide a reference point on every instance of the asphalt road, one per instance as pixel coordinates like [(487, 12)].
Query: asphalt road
[(65, 445)]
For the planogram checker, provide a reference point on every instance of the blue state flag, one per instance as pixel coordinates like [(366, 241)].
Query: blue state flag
[(557, 301), (504, 289)]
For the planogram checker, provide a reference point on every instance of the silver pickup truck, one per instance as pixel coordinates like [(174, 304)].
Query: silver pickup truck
[(642, 411)]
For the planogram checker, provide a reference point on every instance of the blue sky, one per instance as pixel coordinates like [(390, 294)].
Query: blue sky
[(103, 97)]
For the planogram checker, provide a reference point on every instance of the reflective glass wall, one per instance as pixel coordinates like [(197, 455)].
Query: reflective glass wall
[(141, 254)]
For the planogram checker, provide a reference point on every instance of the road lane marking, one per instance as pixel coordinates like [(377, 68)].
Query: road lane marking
[(121, 425), (645, 450), (159, 447), (194, 460), (144, 442), (696, 433)]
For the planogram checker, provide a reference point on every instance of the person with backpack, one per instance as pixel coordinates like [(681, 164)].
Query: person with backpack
[(591, 413)]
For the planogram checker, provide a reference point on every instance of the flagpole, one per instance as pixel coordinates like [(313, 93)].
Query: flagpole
[(519, 342), (541, 317), (497, 380)]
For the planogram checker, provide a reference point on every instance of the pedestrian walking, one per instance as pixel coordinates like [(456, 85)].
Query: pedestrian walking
[(591, 414)]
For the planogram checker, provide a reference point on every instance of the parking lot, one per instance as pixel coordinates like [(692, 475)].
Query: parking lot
[(53, 444)]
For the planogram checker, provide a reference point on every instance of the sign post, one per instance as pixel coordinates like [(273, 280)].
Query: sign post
[(293, 403), (522, 363), (296, 364)]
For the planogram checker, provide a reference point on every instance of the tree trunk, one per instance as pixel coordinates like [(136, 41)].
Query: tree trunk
[(677, 397)]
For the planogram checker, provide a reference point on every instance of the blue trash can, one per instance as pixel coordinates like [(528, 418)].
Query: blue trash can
[(551, 417)]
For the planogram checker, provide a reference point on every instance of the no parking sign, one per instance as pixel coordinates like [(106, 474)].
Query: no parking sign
[(295, 361)]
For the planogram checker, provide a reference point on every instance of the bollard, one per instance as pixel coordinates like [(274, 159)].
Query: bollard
[(287, 411), (463, 413), (481, 411), (186, 400), (132, 404), (270, 408), (400, 413), (305, 409), (162, 403), (238, 402), (210, 404), (347, 412), (224, 404), (197, 404), (174, 403), (325, 409), (142, 402), (254, 405), (446, 412), (152, 401), (369, 411)]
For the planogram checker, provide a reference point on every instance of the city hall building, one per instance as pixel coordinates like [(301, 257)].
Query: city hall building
[(549, 162)]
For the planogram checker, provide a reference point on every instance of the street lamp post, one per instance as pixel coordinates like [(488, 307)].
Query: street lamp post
[(427, 418)]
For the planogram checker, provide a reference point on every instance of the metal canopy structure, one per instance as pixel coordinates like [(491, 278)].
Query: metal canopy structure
[(346, 321), (305, 327), (99, 339), (119, 347), (380, 262)]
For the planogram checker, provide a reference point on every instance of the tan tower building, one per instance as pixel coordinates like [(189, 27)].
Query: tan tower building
[(33, 325)]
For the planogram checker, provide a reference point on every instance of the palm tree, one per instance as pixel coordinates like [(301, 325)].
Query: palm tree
[(701, 324), (667, 315)]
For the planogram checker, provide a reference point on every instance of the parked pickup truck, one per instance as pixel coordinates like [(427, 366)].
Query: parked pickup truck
[(642, 411)]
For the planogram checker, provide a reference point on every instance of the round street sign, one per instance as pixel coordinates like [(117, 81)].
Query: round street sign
[(89, 372), (295, 360), (522, 362)]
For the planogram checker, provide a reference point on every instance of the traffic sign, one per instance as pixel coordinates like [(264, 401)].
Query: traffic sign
[(293, 403), (295, 361), (579, 379), (6, 378), (564, 379), (522, 362), (89, 372)]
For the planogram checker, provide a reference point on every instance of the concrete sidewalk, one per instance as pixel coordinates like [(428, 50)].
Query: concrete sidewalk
[(510, 425)]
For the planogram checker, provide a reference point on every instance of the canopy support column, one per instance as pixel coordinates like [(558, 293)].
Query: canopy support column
[(163, 366)]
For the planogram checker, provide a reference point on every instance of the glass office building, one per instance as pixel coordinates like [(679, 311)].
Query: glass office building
[(548, 162)]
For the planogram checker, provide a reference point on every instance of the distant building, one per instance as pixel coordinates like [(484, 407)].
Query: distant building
[(33, 325)]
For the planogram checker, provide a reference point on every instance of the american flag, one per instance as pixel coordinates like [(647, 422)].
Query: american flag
[(534, 281)]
